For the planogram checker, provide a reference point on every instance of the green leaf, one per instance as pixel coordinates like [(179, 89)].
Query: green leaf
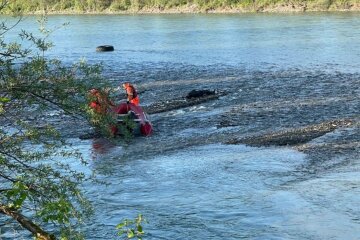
[(120, 225), (4, 99), (131, 233)]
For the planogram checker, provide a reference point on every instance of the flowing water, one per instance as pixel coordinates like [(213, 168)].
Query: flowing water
[(278, 71)]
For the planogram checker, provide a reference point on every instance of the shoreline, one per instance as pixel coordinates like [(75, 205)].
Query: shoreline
[(284, 8)]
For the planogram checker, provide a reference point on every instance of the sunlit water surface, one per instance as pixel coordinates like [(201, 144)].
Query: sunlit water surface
[(224, 192), (187, 184)]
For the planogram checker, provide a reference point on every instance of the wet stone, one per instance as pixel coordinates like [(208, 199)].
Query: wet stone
[(293, 136)]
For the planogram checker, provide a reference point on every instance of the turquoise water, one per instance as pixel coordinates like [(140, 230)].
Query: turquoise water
[(183, 179), (218, 191), (252, 41)]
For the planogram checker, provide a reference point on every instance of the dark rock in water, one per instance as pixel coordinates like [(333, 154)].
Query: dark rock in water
[(194, 97), (179, 103), (295, 136), (105, 48), (200, 93)]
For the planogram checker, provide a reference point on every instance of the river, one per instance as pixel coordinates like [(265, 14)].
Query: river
[(278, 71)]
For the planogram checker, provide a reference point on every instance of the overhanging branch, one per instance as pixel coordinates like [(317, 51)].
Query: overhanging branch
[(46, 99), (39, 233)]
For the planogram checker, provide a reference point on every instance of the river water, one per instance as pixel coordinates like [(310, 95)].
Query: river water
[(184, 179)]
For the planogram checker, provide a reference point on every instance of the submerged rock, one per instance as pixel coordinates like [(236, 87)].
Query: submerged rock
[(199, 93), (193, 98), (293, 136)]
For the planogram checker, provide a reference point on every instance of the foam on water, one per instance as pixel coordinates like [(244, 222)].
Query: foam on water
[(212, 185)]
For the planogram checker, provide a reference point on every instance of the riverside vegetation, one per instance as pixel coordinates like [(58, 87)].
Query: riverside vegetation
[(40, 191), (182, 6)]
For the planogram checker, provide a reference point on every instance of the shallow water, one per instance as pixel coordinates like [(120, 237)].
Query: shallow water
[(207, 192), (225, 192), (249, 41), (277, 71)]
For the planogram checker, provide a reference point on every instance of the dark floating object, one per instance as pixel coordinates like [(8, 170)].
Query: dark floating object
[(199, 93), (105, 48)]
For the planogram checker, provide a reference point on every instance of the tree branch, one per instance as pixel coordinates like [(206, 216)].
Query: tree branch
[(17, 160), (39, 233), (45, 99), (2, 6), (6, 54), (7, 177), (5, 190)]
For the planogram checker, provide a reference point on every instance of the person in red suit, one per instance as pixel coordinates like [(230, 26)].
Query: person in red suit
[(131, 93)]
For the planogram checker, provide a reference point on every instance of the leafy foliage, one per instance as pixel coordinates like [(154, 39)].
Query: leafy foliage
[(104, 119), (36, 178), (132, 228)]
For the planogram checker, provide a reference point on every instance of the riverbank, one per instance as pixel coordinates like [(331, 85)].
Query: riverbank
[(192, 8)]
